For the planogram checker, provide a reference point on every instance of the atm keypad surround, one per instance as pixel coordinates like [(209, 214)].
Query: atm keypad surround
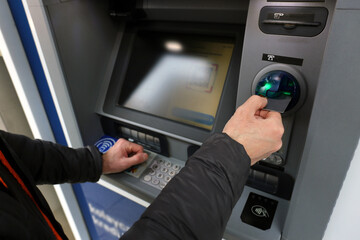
[(161, 171), (157, 171)]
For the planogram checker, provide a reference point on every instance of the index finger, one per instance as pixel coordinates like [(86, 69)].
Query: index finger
[(273, 115), (133, 147)]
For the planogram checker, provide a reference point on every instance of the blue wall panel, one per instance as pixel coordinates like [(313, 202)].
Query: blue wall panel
[(107, 214)]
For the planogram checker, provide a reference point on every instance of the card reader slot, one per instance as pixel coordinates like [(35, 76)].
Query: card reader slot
[(293, 20), (291, 24)]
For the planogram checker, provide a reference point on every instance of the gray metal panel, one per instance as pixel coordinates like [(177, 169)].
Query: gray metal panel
[(191, 4), (85, 36), (343, 223), (236, 229), (333, 132), (348, 4), (225, 11), (310, 49)]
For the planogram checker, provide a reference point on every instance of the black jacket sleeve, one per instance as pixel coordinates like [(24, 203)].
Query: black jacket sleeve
[(52, 163), (198, 202)]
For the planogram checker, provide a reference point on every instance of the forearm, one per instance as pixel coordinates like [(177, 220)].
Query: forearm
[(198, 202), (53, 163)]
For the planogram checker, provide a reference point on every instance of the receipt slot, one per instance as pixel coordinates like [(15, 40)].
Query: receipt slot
[(282, 85)]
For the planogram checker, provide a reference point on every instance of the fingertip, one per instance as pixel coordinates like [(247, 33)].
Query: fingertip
[(136, 147), (263, 113), (261, 100), (145, 156), (256, 102), (137, 159), (273, 114), (142, 157)]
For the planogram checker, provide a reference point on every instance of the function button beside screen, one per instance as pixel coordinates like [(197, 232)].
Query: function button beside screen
[(149, 139), (156, 141), (125, 131), (142, 137), (134, 134)]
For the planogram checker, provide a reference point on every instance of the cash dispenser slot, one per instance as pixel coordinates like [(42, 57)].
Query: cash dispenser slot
[(293, 21), (225, 11)]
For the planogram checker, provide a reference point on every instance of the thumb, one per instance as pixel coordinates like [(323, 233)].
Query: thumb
[(254, 104), (135, 159), (138, 158)]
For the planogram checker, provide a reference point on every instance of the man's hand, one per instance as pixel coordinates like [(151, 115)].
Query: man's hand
[(123, 155), (258, 130)]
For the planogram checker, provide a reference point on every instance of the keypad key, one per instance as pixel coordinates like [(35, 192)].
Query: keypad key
[(155, 181), (160, 172), (172, 173), (176, 167), (147, 178), (155, 167)]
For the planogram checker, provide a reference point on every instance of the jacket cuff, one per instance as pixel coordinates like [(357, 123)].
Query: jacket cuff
[(96, 170)]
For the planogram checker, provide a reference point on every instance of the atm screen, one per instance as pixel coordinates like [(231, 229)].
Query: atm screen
[(177, 76)]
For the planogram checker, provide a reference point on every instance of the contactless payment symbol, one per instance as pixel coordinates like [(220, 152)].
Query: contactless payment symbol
[(259, 211), (105, 143)]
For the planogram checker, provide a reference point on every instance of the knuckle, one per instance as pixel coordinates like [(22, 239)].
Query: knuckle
[(278, 145), (281, 129), (278, 131)]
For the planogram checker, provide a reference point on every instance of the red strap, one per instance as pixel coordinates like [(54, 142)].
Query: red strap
[(2, 181), (18, 179)]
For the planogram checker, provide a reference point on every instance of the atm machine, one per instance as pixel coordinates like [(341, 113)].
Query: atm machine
[(168, 74)]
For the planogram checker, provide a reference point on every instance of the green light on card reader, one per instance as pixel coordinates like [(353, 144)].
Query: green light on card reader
[(280, 86), (267, 86)]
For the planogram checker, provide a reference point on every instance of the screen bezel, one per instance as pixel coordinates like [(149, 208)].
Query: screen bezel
[(165, 126)]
